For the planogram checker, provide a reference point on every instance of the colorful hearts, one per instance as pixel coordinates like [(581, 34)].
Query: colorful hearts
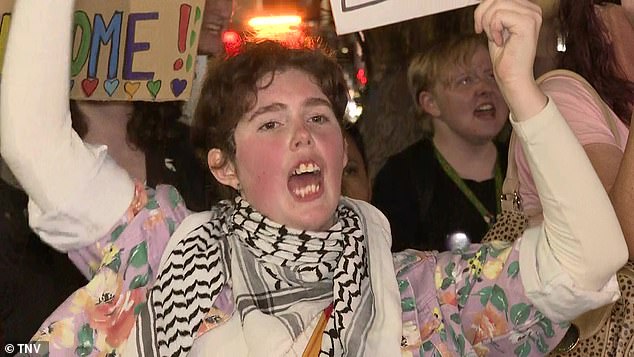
[(89, 85), (131, 87), (154, 87), (110, 86), (178, 86)]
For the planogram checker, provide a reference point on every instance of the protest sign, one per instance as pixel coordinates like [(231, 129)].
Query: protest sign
[(129, 49), (356, 15)]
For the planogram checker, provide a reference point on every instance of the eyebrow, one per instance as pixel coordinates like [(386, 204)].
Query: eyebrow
[(316, 101), (275, 107)]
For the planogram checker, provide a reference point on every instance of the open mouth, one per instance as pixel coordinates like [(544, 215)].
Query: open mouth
[(305, 181), (212, 27), (486, 109)]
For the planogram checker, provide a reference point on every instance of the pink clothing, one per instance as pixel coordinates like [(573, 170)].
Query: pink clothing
[(584, 117)]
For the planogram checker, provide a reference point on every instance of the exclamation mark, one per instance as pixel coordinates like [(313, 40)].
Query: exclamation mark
[(183, 30)]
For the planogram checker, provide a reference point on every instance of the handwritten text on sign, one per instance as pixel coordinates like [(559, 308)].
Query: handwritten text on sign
[(131, 49)]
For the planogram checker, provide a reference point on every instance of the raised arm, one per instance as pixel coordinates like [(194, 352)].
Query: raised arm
[(513, 28), (611, 158), (562, 261), (76, 191)]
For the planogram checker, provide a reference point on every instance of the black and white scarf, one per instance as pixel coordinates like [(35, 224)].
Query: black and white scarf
[(281, 280)]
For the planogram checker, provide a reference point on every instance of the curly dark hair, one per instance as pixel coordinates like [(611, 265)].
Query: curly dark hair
[(232, 84), (589, 53), (152, 123)]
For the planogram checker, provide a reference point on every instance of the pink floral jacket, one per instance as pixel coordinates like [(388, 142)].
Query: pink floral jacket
[(454, 303)]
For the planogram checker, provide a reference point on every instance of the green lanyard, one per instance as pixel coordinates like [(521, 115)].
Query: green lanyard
[(486, 215)]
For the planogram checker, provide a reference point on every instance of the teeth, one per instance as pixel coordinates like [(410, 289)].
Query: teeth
[(213, 27), (302, 192), (304, 168), (485, 107)]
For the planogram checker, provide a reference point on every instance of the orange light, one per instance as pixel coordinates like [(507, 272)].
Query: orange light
[(276, 27), (283, 28), (286, 21)]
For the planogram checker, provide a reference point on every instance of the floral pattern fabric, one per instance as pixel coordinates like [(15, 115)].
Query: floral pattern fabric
[(470, 303), (97, 319), (462, 303)]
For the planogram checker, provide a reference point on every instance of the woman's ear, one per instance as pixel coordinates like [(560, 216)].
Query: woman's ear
[(427, 104), (223, 170)]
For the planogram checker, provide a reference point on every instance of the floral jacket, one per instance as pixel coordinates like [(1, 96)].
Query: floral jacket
[(469, 303)]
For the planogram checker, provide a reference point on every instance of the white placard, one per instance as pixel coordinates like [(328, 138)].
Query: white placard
[(356, 15)]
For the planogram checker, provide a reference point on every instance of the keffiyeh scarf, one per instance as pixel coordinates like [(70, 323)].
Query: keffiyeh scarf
[(281, 280)]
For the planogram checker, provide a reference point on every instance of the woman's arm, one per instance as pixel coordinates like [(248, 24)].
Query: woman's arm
[(77, 193), (603, 146), (616, 171), (576, 209), (607, 151), (566, 263), (513, 28)]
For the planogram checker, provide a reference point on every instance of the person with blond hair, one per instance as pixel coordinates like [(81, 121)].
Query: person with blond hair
[(443, 190)]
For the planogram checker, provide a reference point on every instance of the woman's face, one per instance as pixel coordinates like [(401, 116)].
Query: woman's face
[(216, 19), (290, 153), (356, 183), (469, 105)]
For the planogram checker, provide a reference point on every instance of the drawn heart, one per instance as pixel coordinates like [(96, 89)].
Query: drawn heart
[(178, 86), (154, 87), (89, 85), (131, 87), (111, 85)]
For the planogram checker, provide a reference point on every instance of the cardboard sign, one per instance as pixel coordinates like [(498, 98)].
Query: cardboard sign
[(356, 15), (129, 49)]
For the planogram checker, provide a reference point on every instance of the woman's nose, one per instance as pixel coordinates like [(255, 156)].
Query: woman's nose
[(486, 86), (301, 136)]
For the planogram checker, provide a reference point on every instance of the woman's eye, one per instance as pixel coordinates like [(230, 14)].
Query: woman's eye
[(318, 119), (269, 125), (350, 170), (465, 80)]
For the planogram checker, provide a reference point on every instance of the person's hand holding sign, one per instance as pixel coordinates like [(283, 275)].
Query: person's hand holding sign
[(512, 27)]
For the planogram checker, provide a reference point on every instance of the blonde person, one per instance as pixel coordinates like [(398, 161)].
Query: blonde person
[(289, 267), (443, 190)]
